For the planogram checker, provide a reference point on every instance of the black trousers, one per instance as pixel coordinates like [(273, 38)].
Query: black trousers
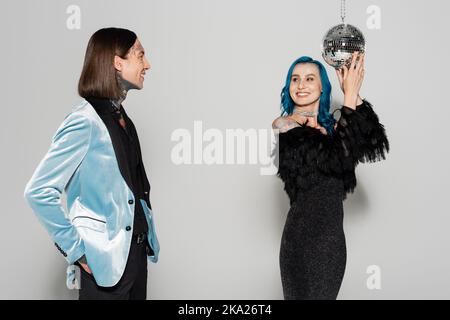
[(131, 286)]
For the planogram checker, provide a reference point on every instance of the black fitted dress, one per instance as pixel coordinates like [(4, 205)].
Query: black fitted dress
[(318, 171)]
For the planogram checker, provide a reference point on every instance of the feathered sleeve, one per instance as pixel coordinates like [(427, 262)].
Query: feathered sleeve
[(361, 135)]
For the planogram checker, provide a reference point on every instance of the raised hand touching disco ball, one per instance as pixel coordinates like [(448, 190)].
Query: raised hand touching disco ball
[(340, 42)]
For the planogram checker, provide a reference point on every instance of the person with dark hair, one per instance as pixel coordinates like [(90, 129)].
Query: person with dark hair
[(95, 157), (317, 157)]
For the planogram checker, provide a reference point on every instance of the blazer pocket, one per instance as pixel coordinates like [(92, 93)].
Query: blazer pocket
[(90, 223), (85, 218)]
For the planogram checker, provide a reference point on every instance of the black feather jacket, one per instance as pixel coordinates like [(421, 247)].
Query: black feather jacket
[(304, 152)]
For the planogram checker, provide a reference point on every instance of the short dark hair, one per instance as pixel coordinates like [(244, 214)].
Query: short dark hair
[(98, 77)]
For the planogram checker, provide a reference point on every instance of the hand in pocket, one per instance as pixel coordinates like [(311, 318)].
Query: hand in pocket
[(83, 263)]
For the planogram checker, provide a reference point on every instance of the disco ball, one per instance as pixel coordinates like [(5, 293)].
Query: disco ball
[(340, 42)]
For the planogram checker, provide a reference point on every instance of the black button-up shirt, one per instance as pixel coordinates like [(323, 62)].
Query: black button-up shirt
[(130, 143)]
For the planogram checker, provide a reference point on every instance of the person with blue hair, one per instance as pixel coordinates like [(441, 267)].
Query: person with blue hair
[(317, 157)]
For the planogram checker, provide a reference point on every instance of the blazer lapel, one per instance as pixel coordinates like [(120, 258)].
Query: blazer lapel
[(104, 109)]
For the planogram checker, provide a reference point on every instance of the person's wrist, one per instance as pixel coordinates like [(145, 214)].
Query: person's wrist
[(350, 102), (350, 99)]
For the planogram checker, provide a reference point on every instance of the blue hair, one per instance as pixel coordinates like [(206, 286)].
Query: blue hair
[(324, 117)]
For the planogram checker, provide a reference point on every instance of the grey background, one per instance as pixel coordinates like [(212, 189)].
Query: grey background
[(224, 62)]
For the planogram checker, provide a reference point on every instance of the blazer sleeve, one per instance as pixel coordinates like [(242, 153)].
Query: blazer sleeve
[(43, 192)]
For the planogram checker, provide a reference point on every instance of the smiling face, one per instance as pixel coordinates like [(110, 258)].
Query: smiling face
[(306, 86), (134, 66)]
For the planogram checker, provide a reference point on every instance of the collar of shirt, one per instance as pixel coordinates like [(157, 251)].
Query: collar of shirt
[(103, 105), (107, 106)]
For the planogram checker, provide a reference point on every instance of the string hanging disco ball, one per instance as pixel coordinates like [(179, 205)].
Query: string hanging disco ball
[(340, 42)]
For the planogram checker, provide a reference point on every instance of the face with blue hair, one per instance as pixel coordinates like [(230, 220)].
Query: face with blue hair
[(306, 87)]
